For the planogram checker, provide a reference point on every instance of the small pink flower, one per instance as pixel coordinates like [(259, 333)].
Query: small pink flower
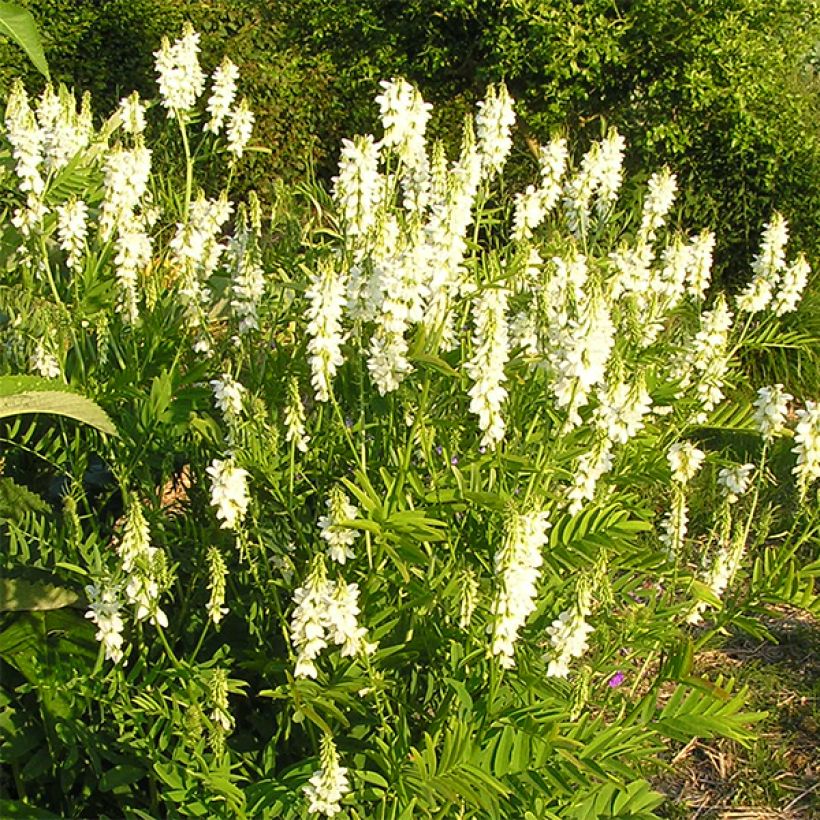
[(616, 680)]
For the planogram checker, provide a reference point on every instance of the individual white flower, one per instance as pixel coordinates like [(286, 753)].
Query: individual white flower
[(222, 96), (44, 363), (240, 128), (71, 231), (229, 492), (181, 80), (734, 480), (767, 267), (339, 538), (229, 396), (807, 446), (517, 570), (486, 367), (771, 409), (493, 126), (326, 295), (329, 784), (104, 605), (792, 284), (684, 460)]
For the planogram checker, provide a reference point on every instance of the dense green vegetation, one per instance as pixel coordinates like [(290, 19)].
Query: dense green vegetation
[(722, 90), (421, 491)]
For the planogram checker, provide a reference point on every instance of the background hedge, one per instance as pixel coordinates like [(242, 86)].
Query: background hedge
[(725, 91)]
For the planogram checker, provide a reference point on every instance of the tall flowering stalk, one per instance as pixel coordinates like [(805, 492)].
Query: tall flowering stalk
[(180, 79), (486, 367), (807, 446), (767, 267), (493, 127), (329, 784), (326, 294), (517, 568), (339, 538), (568, 634)]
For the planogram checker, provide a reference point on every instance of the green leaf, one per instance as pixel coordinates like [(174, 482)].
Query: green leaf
[(18, 594), (16, 500), (30, 394), (18, 24), (17, 808)]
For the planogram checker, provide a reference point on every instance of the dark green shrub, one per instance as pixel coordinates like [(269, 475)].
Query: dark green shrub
[(725, 91)]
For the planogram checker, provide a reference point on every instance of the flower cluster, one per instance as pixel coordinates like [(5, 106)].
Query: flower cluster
[(734, 480), (771, 409), (144, 564), (807, 445), (217, 571), (180, 77), (568, 635), (295, 418), (104, 606), (517, 570), (340, 538), (486, 368), (329, 784), (325, 611), (229, 492), (326, 294)]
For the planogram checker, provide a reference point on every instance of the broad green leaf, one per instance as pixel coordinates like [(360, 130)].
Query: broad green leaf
[(29, 394), (18, 594), (18, 24)]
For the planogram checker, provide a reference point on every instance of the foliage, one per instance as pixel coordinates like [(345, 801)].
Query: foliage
[(399, 516), (18, 24), (723, 91)]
